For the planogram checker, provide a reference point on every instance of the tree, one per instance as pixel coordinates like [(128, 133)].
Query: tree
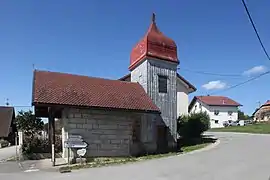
[(242, 115), (29, 123)]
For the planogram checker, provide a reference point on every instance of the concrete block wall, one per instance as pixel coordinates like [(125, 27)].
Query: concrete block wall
[(108, 133)]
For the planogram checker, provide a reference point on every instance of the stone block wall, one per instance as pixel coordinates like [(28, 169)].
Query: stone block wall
[(108, 133)]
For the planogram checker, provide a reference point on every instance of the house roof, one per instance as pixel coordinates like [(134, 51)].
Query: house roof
[(154, 44), (185, 81), (124, 78), (263, 108), (267, 103), (7, 114), (53, 88), (214, 101)]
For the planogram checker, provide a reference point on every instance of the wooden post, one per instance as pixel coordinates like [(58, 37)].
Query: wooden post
[(49, 129), (52, 132)]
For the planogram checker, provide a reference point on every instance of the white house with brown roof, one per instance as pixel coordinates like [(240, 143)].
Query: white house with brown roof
[(220, 109)]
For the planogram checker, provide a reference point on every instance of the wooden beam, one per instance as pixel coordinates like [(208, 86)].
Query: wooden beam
[(52, 133)]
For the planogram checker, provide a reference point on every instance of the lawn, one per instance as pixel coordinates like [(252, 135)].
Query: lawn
[(260, 128), (98, 162)]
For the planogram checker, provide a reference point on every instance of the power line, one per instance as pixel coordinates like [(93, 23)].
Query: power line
[(244, 82), (22, 106), (254, 27), (212, 74), (263, 47)]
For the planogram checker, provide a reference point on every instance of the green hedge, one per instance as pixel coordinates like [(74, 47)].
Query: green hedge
[(193, 125)]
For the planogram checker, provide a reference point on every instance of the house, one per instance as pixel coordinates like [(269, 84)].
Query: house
[(262, 113), (7, 124), (130, 116), (220, 109)]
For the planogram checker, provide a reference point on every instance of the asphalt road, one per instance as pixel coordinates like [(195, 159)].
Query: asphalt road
[(238, 156)]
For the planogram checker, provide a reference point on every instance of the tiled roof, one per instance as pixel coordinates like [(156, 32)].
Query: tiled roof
[(217, 101), (6, 116), (75, 90), (185, 81), (154, 45), (267, 103), (214, 101), (127, 78)]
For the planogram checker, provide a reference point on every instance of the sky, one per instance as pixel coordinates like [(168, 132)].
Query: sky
[(95, 38)]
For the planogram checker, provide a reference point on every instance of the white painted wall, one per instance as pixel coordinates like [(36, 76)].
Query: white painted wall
[(182, 98), (216, 121)]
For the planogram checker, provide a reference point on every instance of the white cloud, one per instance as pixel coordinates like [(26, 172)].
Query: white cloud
[(211, 85), (255, 71)]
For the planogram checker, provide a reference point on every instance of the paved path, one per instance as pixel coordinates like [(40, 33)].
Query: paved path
[(7, 152), (238, 156)]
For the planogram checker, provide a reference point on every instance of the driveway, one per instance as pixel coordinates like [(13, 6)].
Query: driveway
[(238, 156)]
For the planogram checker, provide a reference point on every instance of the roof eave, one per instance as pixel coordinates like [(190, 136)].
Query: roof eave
[(41, 104), (187, 83)]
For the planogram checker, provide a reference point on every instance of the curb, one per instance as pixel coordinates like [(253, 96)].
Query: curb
[(209, 147), (240, 133)]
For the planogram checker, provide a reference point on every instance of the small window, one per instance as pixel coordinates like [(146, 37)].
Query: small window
[(229, 113), (216, 121), (162, 84), (216, 112)]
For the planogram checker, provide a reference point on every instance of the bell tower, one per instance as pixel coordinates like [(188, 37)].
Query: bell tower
[(153, 64)]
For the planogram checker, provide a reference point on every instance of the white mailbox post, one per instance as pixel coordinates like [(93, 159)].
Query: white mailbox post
[(76, 142)]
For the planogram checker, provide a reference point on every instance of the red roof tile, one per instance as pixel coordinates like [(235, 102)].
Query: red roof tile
[(75, 90), (216, 101), (266, 103), (154, 44)]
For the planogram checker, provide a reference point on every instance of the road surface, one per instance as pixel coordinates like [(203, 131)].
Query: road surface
[(238, 156)]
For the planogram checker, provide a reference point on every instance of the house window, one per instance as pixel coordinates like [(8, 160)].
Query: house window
[(216, 112), (229, 113), (216, 121), (162, 84)]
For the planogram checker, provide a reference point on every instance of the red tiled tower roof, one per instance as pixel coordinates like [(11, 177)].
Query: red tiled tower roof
[(53, 88), (154, 45)]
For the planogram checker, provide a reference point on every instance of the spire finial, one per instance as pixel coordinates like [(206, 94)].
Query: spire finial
[(153, 18)]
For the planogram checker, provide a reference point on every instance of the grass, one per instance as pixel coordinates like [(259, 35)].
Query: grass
[(260, 128), (99, 162)]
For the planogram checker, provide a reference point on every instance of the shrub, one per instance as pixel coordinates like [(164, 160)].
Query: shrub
[(38, 145), (4, 143), (193, 125)]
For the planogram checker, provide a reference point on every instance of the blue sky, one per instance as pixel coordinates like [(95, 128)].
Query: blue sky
[(95, 38)]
